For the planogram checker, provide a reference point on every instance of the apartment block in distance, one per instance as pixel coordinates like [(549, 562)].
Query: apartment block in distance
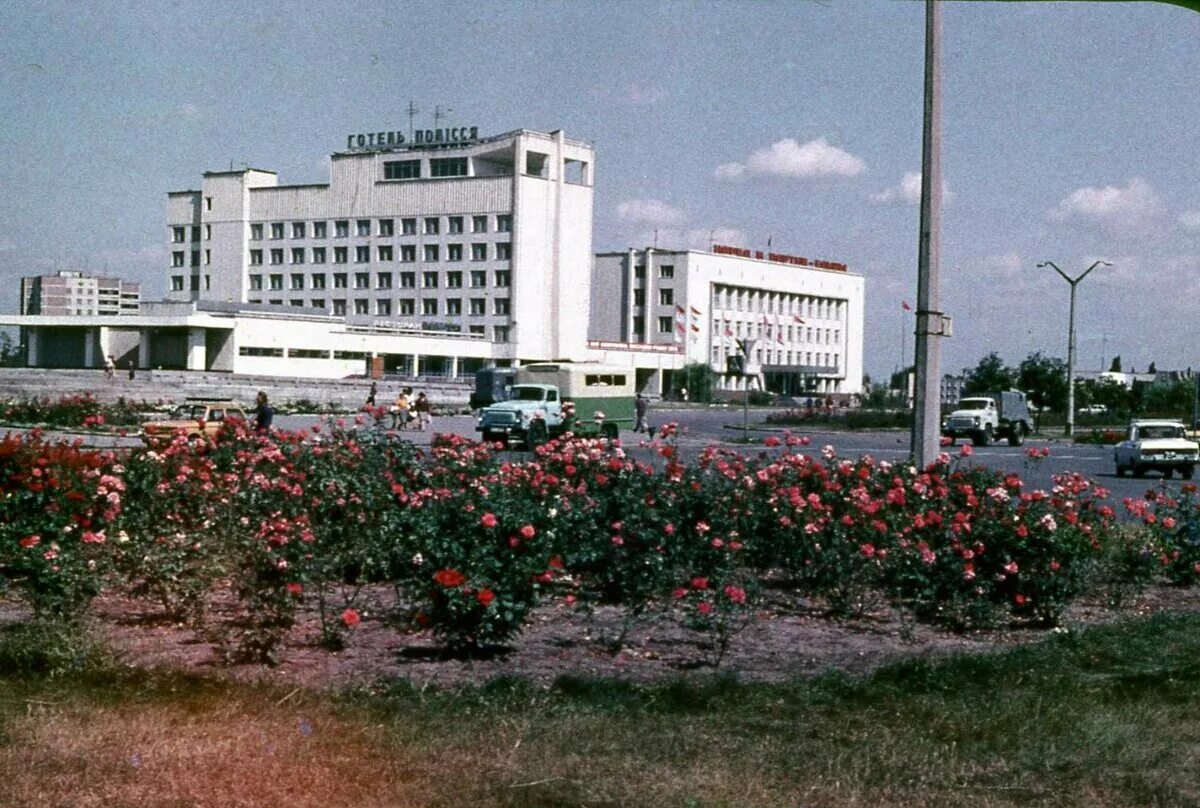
[(77, 294)]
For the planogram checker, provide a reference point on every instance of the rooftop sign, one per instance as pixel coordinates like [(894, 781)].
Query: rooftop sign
[(779, 258), (421, 137)]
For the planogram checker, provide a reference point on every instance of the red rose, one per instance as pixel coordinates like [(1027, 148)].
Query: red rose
[(30, 541), (556, 562), (704, 608), (488, 520), (699, 583), (527, 531), (295, 589), (350, 618), (485, 597), (449, 578)]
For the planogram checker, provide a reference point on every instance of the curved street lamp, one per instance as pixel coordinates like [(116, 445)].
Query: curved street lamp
[(1071, 337)]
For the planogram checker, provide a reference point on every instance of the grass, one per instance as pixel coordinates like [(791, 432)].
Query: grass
[(1110, 716)]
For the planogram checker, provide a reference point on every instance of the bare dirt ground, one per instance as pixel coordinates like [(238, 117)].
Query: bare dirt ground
[(781, 642)]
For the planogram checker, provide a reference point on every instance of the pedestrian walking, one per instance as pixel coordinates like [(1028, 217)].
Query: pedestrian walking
[(641, 406), (131, 370), (371, 396), (400, 410), (110, 367), (264, 413), (683, 394), (424, 412)]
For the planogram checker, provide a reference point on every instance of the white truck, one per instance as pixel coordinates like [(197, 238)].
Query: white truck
[(985, 417)]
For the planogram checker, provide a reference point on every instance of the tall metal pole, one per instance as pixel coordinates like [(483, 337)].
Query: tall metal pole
[(926, 394), (1071, 338)]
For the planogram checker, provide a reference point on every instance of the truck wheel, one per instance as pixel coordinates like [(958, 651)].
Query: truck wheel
[(1120, 470), (1138, 471), (537, 434), (984, 437), (1016, 436), (1186, 472)]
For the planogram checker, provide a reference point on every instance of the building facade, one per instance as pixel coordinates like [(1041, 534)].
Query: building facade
[(489, 238), (77, 294), (803, 318)]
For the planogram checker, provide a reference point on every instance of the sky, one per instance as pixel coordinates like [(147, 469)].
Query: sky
[(1069, 136)]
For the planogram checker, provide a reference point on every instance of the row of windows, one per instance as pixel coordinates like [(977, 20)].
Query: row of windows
[(177, 283), (781, 357), (179, 256), (385, 228), (666, 297), (501, 279), (179, 234), (796, 305), (438, 167), (407, 306), (430, 253), (665, 271), (500, 333)]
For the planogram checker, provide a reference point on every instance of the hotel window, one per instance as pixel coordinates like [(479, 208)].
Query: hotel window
[(341, 229), (501, 333), (476, 329), (362, 306), (639, 328), (256, 232), (195, 285), (479, 224), (320, 230), (256, 283), (453, 280), (317, 303), (383, 308), (339, 308), (431, 253), (504, 223), (208, 232), (454, 224), (432, 225), (318, 255), (297, 255), (448, 167), (639, 271), (297, 302), (177, 234), (176, 283), (363, 227), (275, 302), (387, 227), (340, 280), (429, 280), (503, 278), (402, 170), (207, 257), (362, 254), (276, 282), (666, 297), (340, 255), (408, 227), (454, 307), (276, 256), (298, 229), (408, 280), (639, 297), (383, 280), (276, 230), (384, 252), (478, 279), (666, 271), (408, 253), (500, 306), (362, 280), (429, 306), (256, 258), (318, 281), (195, 232), (208, 203), (478, 306), (664, 325), (479, 252), (297, 281), (453, 252), (195, 258), (407, 305)]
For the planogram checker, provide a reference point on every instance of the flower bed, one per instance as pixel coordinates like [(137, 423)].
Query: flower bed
[(472, 542), (74, 411)]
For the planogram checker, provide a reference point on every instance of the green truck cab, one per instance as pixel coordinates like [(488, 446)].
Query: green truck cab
[(552, 398)]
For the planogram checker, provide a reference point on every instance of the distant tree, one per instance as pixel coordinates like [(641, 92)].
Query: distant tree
[(1111, 394), (990, 374), (1172, 400), (1115, 367), (900, 378), (1044, 380), (11, 354), (1153, 368), (698, 379)]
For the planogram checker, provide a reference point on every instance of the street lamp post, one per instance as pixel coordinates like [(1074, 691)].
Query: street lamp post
[(1074, 282)]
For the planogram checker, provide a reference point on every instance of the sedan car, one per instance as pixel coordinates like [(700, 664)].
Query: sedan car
[(1157, 445), (194, 418)]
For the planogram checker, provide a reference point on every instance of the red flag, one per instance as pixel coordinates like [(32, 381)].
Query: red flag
[(798, 319), (728, 332), (695, 310), (695, 327), (679, 309), (905, 306), (680, 327)]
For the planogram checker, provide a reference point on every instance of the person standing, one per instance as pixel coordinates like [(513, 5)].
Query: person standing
[(400, 410), (110, 367), (371, 396), (424, 412), (641, 406), (264, 413)]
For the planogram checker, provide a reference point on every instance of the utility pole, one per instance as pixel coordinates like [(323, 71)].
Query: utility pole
[(926, 429), (745, 346), (1071, 338), (412, 113)]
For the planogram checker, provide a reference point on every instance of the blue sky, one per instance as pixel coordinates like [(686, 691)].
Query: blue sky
[(1070, 132)]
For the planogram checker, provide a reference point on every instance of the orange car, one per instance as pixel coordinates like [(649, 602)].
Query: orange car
[(195, 418)]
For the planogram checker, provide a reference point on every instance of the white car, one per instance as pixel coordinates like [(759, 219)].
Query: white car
[(1093, 409), (1159, 445)]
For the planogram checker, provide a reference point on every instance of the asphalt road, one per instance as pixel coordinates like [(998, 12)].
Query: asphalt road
[(701, 427)]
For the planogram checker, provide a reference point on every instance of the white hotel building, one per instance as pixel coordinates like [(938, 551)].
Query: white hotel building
[(439, 257)]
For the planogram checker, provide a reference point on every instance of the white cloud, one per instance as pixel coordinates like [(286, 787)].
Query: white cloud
[(1120, 210), (189, 112), (791, 159), (1189, 220), (909, 190), (695, 238), (650, 211), (643, 95)]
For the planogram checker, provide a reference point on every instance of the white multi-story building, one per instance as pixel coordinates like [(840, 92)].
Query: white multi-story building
[(803, 316), (77, 294)]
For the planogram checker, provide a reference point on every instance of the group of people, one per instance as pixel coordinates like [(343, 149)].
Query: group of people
[(405, 409)]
